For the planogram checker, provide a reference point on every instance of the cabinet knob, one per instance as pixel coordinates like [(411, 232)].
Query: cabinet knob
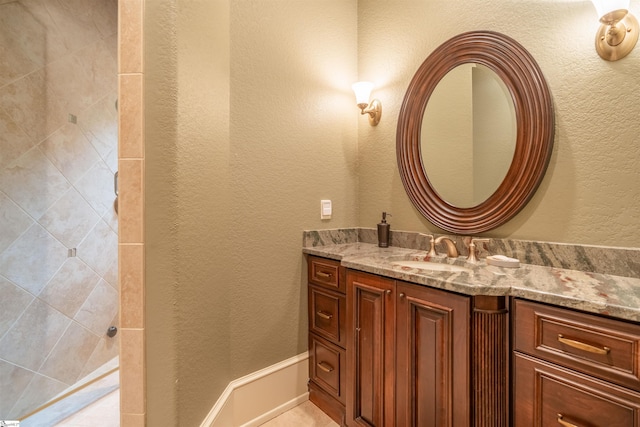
[(388, 292), (402, 295)]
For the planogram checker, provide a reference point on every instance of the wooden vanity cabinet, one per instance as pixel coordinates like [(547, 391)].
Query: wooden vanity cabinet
[(327, 336), (574, 369), (432, 357), (408, 350), (370, 350)]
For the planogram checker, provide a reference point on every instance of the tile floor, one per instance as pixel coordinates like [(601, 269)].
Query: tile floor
[(105, 413), (304, 415), (102, 413)]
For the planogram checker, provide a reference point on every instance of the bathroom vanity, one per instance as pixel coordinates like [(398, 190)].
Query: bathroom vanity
[(392, 345)]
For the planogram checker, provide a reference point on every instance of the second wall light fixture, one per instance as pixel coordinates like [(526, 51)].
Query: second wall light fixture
[(618, 33), (373, 109)]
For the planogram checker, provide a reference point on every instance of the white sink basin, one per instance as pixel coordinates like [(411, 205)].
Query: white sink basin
[(432, 266)]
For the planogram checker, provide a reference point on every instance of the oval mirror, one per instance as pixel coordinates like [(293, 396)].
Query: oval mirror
[(472, 150), (468, 135)]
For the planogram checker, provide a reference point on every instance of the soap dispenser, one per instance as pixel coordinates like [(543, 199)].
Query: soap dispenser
[(383, 231)]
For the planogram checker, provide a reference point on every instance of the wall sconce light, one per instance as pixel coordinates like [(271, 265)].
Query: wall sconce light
[(618, 33), (373, 109)]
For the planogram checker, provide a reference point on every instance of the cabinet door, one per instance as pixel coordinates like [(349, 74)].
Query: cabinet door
[(433, 367), (549, 395), (370, 342)]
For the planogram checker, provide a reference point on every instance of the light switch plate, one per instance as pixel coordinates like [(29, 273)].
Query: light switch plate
[(325, 209)]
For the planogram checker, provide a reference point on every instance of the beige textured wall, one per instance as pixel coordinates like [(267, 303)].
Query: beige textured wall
[(250, 122), (590, 193)]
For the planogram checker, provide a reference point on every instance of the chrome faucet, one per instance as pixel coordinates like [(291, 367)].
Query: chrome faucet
[(452, 250)]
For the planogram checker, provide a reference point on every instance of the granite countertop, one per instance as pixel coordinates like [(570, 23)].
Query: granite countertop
[(610, 295)]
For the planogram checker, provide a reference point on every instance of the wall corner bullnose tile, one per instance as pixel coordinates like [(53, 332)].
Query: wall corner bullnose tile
[(131, 212), (130, 15)]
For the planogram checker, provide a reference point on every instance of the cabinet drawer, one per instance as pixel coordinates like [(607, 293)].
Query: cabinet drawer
[(326, 273), (327, 314), (547, 395), (326, 366), (605, 348)]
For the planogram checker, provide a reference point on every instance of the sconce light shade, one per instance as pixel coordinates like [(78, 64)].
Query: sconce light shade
[(618, 34), (374, 110), (604, 7), (362, 91)]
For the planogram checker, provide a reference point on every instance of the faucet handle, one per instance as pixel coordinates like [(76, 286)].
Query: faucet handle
[(472, 249), (432, 243)]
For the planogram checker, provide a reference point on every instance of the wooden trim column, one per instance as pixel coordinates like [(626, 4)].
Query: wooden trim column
[(490, 361)]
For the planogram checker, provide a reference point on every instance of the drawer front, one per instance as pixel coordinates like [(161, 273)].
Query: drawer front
[(326, 273), (547, 395), (327, 314), (606, 348), (326, 366)]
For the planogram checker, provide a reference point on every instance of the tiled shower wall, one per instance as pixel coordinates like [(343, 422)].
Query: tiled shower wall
[(58, 228)]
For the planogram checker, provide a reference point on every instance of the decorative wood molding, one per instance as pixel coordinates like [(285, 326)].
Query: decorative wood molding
[(490, 362), (534, 140)]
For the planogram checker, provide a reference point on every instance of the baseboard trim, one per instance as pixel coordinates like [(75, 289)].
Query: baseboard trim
[(262, 395)]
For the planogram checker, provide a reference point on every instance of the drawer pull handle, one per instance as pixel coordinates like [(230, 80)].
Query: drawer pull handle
[(323, 274), (583, 346), (564, 423), (325, 366), (326, 316)]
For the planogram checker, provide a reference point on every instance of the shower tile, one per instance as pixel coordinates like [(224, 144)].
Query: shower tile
[(32, 337), (70, 219), (105, 17), (99, 62), (70, 287), (33, 259), (131, 201), (100, 248), (97, 188), (105, 351), (70, 151), (70, 354), (23, 43), (98, 310), (33, 106), (111, 218), (70, 83), (132, 420), (54, 44), (33, 182), (132, 382), (130, 116), (14, 302), (39, 391), (111, 276), (100, 125), (13, 141), (13, 222), (131, 289), (130, 21), (81, 79), (75, 21), (13, 381)]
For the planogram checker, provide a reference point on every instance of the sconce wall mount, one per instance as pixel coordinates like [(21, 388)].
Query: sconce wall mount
[(618, 32), (373, 108)]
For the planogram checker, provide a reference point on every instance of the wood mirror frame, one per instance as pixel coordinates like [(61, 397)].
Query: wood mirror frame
[(534, 137)]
